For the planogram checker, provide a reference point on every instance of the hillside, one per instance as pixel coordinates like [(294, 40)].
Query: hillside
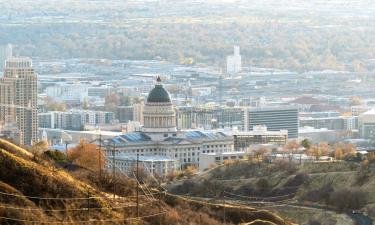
[(324, 192), (35, 191)]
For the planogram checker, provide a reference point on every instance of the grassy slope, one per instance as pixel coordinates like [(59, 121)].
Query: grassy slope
[(243, 178), (22, 174)]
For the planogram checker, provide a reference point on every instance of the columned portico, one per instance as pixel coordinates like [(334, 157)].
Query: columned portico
[(159, 115)]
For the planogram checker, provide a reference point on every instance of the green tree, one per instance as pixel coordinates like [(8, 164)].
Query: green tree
[(306, 143)]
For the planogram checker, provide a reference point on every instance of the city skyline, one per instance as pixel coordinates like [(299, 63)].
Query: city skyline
[(165, 112)]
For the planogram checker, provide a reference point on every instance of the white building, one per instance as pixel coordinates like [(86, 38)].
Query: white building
[(155, 165), (210, 159), (359, 109), (138, 112), (72, 93), (57, 136), (234, 63), (259, 135), (159, 135), (74, 119), (317, 135), (366, 123)]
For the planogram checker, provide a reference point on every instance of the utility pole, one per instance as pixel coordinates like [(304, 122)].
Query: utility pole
[(160, 208), (160, 196), (224, 206), (137, 185), (114, 169), (88, 204), (66, 149), (100, 159)]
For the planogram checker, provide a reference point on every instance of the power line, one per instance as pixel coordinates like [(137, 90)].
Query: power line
[(64, 199), (74, 209), (83, 221)]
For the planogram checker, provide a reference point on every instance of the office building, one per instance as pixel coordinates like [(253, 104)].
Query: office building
[(305, 103), (359, 109), (138, 112), (258, 135), (155, 165), (234, 63), (366, 123), (18, 98), (71, 93), (274, 118), (209, 118), (319, 135), (194, 117), (125, 114), (208, 160), (74, 119), (99, 91)]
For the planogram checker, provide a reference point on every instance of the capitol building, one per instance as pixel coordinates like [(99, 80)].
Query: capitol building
[(162, 148)]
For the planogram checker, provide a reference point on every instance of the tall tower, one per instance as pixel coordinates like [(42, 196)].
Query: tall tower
[(234, 62), (9, 51), (18, 98), (221, 89)]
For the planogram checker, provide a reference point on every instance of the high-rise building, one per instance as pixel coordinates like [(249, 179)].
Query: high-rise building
[(18, 98), (74, 119), (234, 62), (70, 93), (138, 112), (125, 114), (275, 118), (9, 51)]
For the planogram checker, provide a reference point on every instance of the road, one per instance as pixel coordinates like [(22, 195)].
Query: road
[(358, 218)]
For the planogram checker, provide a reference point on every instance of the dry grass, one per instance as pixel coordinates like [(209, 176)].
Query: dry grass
[(14, 149), (22, 174)]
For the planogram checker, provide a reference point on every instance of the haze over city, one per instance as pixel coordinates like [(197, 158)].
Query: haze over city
[(187, 112)]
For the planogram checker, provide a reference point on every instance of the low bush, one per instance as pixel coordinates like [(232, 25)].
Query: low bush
[(346, 199)]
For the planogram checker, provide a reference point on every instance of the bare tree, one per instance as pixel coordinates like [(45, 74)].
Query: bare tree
[(291, 148)]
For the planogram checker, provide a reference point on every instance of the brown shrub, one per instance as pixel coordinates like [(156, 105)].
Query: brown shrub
[(345, 199), (86, 155)]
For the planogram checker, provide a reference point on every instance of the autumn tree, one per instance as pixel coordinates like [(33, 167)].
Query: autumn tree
[(39, 147), (111, 101), (291, 148), (86, 155), (318, 151), (355, 100), (259, 154), (188, 172), (338, 153), (349, 151), (53, 105), (324, 148)]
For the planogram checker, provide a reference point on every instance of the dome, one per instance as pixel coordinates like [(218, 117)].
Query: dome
[(158, 94)]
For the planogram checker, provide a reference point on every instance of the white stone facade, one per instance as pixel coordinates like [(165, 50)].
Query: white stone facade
[(159, 136)]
